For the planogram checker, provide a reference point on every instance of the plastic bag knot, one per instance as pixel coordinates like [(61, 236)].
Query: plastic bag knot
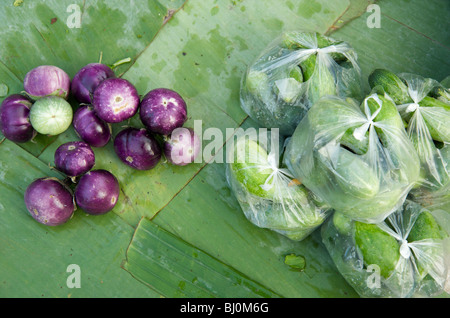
[(412, 107), (405, 250), (359, 133)]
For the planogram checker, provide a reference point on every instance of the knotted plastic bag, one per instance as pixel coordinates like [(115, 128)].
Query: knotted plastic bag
[(403, 256), (269, 195), (292, 73), (357, 158), (424, 105)]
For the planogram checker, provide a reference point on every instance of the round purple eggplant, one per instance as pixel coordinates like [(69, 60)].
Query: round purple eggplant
[(137, 148), (49, 201), (97, 192), (182, 147), (46, 80), (87, 79), (162, 110), (115, 100), (91, 128), (14, 119), (74, 158)]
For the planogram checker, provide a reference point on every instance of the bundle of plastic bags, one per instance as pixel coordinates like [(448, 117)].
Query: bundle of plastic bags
[(370, 170), (268, 194), (356, 157), (292, 73), (424, 105), (403, 256)]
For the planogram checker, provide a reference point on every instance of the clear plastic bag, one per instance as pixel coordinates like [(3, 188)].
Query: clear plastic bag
[(403, 256), (424, 105), (432, 195), (268, 195), (357, 158), (292, 73)]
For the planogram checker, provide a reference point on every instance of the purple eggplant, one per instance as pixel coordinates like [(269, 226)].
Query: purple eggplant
[(182, 147), (74, 158), (14, 119), (49, 201), (162, 110), (97, 192), (115, 100), (87, 79), (137, 148), (91, 128), (46, 80)]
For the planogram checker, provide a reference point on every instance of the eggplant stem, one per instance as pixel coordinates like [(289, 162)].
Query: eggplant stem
[(120, 62)]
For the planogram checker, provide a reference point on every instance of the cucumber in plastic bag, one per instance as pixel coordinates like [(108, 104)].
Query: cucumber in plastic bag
[(268, 194), (425, 108), (403, 256), (367, 183), (292, 73)]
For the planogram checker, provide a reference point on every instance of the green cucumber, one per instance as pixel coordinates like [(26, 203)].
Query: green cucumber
[(355, 176), (393, 140), (428, 101), (308, 66), (257, 83), (251, 167), (377, 247), (391, 84), (323, 41), (289, 88), (296, 73), (441, 93), (321, 83), (439, 129), (343, 224), (290, 41), (425, 227), (388, 113), (359, 147)]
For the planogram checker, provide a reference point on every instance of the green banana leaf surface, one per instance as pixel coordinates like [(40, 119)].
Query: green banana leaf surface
[(179, 231)]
